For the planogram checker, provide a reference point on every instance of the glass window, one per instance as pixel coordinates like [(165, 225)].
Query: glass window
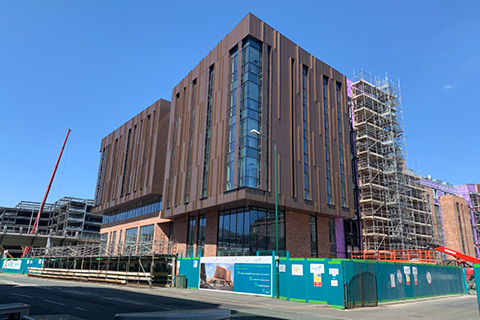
[(231, 133), (326, 135), (340, 145), (208, 129), (190, 145), (132, 212), (306, 176), (249, 230), (313, 237), (191, 235), (250, 111), (172, 159), (332, 238), (146, 238), (202, 222), (130, 241)]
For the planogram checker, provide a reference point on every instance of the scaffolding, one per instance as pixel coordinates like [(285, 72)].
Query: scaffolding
[(393, 205), (151, 262), (475, 211)]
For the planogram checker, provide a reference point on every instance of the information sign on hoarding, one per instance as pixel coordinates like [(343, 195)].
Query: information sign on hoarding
[(251, 275)]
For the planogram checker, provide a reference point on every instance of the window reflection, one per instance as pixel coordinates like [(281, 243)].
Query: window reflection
[(248, 230), (132, 213)]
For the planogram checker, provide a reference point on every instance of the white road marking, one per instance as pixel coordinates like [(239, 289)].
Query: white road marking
[(22, 295), (59, 303), (80, 309)]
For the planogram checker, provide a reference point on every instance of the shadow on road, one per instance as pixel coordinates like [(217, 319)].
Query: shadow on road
[(92, 303)]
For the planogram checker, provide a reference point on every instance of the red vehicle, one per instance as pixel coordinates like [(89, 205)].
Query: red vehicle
[(464, 261)]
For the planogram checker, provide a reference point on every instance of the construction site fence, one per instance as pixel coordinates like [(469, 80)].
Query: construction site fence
[(19, 266), (340, 283)]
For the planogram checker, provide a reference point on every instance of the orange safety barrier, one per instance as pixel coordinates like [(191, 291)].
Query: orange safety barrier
[(409, 255)]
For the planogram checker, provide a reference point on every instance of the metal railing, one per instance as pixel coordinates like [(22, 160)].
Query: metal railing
[(112, 250)]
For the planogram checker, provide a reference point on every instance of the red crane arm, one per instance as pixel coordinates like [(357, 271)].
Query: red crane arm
[(458, 255), (27, 250)]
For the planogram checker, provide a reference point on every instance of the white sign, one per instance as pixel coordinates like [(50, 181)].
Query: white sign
[(334, 283), (392, 280), (406, 269), (429, 277), (317, 268), (414, 270), (399, 276), (333, 271), (195, 263), (297, 269), (12, 264), (282, 268)]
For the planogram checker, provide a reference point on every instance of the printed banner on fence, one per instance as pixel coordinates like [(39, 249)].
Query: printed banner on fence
[(12, 264), (237, 274)]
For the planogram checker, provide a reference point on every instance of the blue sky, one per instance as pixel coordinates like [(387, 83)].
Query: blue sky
[(92, 65)]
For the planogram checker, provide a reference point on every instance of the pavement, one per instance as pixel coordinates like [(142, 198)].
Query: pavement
[(70, 300)]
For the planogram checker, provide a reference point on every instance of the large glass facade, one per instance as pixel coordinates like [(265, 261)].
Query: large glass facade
[(340, 145), (135, 211), (328, 173), (208, 128), (306, 176), (232, 119), (245, 231), (250, 114)]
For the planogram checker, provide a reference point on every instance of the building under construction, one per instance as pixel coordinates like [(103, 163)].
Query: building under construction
[(67, 216), (393, 207)]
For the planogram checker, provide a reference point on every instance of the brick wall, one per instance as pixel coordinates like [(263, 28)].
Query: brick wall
[(323, 239), (211, 231), (297, 234), (180, 229), (162, 231), (453, 228)]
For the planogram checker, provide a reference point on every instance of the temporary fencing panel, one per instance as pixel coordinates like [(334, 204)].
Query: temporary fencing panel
[(399, 281), (19, 265), (343, 283), (190, 267), (360, 284), (242, 274), (312, 280), (476, 269)]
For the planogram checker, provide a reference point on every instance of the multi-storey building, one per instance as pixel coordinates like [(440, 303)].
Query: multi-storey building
[(457, 224), (130, 176), (446, 217), (393, 206), (257, 101)]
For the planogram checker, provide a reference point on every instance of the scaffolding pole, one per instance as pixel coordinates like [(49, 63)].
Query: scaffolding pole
[(393, 208)]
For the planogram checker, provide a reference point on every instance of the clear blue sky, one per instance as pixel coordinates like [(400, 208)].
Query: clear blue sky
[(92, 65)]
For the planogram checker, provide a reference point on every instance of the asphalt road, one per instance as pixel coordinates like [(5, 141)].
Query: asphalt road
[(81, 300)]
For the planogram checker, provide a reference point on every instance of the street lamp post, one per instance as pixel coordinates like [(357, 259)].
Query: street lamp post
[(256, 132)]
